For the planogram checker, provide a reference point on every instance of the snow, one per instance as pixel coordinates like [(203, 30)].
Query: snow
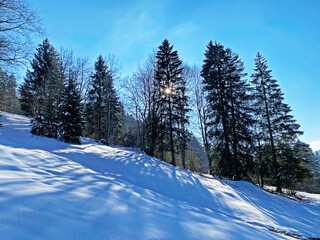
[(54, 190)]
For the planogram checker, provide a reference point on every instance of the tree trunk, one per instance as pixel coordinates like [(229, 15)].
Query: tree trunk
[(274, 156), (205, 140), (173, 160), (235, 140)]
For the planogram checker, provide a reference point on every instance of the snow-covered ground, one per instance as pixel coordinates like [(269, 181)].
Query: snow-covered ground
[(54, 190)]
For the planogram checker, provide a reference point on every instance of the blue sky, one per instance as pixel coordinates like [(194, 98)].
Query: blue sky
[(286, 32)]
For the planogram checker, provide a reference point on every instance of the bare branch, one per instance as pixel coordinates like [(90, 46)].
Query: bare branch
[(17, 24)]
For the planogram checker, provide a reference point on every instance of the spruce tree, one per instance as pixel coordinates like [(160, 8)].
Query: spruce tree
[(1, 96), (27, 99), (97, 95), (240, 115), (276, 125), (10, 102), (89, 121), (71, 114), (315, 164), (168, 75), (214, 86), (103, 109), (230, 118), (42, 89), (182, 117), (114, 110), (295, 160)]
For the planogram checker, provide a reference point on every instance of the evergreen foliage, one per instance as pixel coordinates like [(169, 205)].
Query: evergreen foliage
[(172, 99), (295, 160), (229, 110), (1, 97), (8, 86), (315, 164), (42, 89), (247, 129), (276, 127), (27, 99), (182, 116), (71, 114), (103, 110)]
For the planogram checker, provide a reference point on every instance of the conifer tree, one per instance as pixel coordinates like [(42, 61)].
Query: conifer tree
[(1, 97), (71, 114), (229, 112), (213, 80), (97, 95), (182, 116), (10, 102), (315, 164), (8, 99), (27, 99), (103, 106), (168, 76), (42, 89), (89, 120), (114, 109), (276, 125), (295, 160)]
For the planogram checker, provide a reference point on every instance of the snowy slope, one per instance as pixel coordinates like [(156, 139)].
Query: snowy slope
[(53, 190)]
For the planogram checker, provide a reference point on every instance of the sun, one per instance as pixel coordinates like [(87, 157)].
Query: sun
[(167, 91)]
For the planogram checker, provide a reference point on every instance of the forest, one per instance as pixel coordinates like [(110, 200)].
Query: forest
[(212, 118)]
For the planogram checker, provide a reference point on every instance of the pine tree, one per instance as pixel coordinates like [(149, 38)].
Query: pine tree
[(1, 96), (42, 89), (229, 112), (295, 160), (10, 102), (97, 96), (276, 125), (27, 99), (71, 114), (89, 121), (213, 80), (114, 116), (315, 164), (241, 121), (8, 98), (168, 76), (182, 117), (104, 105)]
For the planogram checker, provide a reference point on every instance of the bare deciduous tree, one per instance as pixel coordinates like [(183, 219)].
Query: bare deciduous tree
[(141, 103), (78, 69), (201, 105), (17, 24)]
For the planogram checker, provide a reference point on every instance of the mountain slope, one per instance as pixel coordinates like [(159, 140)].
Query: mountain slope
[(53, 190)]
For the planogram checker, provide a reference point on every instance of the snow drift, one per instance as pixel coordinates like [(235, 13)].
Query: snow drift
[(54, 190)]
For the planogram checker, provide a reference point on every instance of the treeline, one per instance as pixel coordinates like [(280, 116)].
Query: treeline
[(65, 101), (9, 101), (247, 130)]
